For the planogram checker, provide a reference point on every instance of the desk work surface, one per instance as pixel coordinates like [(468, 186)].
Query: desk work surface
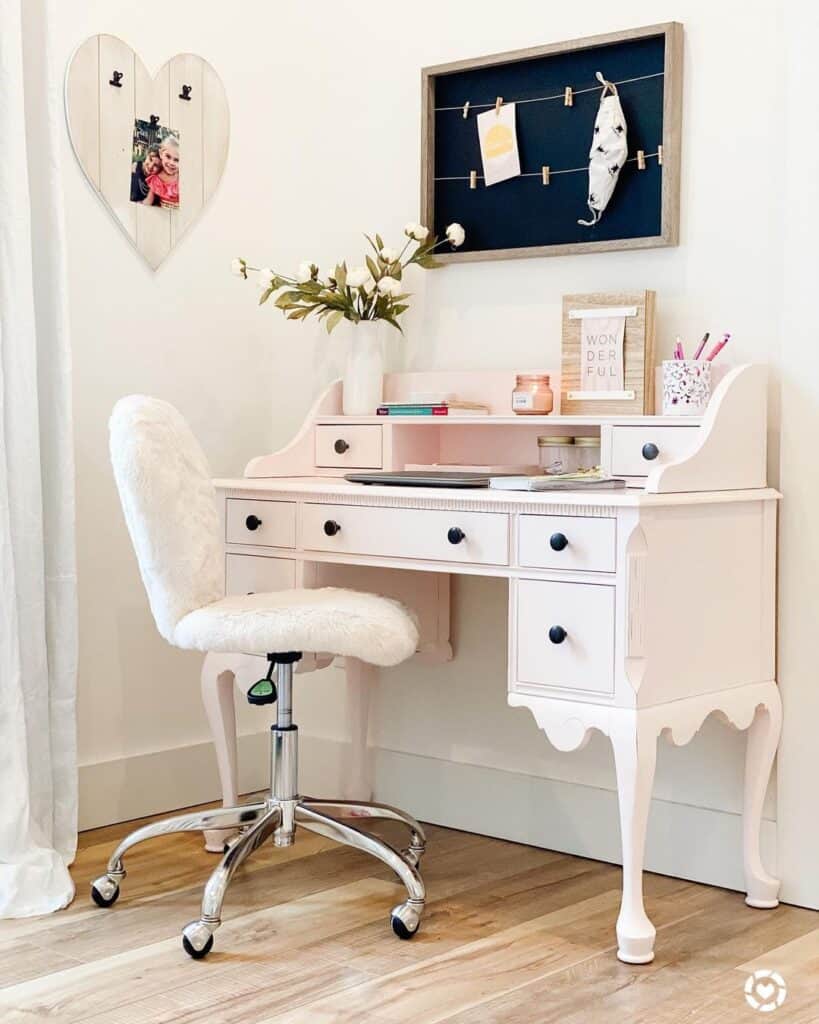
[(337, 489)]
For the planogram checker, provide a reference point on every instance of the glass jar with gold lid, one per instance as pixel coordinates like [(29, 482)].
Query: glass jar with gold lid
[(557, 454)]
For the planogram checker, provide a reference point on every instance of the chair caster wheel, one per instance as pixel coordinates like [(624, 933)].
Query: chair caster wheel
[(405, 919), (197, 940), (105, 891)]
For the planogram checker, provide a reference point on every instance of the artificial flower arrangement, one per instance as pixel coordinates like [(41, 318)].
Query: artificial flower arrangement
[(371, 292)]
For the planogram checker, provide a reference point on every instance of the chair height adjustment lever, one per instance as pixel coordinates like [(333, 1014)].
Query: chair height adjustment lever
[(263, 691)]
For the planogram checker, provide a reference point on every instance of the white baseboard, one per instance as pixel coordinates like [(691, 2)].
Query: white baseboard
[(695, 843)]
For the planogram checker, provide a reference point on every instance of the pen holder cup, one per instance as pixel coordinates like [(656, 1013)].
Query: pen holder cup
[(686, 387)]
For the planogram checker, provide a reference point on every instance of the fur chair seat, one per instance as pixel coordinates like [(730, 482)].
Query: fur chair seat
[(346, 622)]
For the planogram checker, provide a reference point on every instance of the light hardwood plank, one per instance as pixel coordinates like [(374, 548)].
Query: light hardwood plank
[(512, 934)]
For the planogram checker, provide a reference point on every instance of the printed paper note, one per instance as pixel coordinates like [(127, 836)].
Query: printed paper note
[(499, 144), (601, 353)]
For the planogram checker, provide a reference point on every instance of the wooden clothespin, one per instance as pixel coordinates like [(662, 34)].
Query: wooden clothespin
[(568, 97), (545, 174), (466, 110), (473, 179), (641, 160), (498, 105), (660, 155)]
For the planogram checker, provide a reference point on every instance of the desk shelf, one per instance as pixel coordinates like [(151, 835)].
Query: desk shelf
[(541, 422)]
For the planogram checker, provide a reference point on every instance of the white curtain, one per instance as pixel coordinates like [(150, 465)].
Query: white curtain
[(38, 621)]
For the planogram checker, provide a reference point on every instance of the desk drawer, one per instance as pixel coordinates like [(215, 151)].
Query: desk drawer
[(350, 447), (581, 543), (633, 448), (583, 659), (255, 521), (481, 538), (258, 574)]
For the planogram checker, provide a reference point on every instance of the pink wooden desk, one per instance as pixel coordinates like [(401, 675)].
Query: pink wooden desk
[(636, 612)]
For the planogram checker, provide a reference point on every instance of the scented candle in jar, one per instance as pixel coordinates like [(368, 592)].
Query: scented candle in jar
[(532, 395)]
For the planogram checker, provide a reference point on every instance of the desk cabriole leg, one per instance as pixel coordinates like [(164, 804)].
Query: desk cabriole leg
[(635, 755), (218, 680), (356, 783), (763, 739)]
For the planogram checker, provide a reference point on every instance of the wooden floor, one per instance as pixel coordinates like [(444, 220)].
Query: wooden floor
[(512, 934)]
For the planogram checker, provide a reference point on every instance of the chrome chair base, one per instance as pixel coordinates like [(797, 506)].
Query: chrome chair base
[(277, 818)]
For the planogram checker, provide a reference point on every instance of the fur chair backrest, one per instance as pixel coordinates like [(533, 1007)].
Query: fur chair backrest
[(170, 508)]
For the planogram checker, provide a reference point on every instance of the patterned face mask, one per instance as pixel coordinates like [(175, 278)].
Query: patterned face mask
[(608, 152)]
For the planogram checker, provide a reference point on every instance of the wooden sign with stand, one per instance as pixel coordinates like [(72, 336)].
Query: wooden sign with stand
[(636, 397)]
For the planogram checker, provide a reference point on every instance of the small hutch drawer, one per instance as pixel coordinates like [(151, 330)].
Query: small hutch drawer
[(564, 637), (635, 451), (349, 446)]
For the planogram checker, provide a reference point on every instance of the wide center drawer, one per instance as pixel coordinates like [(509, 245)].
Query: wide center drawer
[(635, 451), (351, 447), (480, 538), (564, 636), (581, 543)]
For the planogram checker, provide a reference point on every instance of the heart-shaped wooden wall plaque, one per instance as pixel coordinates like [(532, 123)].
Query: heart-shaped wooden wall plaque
[(153, 148)]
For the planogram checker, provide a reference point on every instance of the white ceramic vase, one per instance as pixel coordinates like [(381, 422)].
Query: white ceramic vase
[(364, 372)]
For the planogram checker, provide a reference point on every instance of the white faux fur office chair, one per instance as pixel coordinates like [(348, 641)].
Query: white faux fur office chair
[(170, 508)]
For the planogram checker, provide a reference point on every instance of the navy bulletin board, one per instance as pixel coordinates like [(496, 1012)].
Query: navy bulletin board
[(522, 216)]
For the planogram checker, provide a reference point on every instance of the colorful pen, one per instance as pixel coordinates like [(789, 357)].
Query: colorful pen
[(702, 345), (715, 351)]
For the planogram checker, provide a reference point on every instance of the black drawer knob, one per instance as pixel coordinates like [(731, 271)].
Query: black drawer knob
[(558, 541), (341, 446), (253, 522), (331, 527), (650, 451), (557, 634), (455, 535)]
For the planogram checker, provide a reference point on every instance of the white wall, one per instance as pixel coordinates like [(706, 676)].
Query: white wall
[(325, 144)]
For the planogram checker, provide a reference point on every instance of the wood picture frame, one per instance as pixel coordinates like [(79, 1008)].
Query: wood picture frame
[(638, 355), (671, 34)]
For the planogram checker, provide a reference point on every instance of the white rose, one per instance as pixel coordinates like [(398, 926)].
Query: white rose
[(420, 232), (266, 277), (388, 255), (455, 235), (238, 267), (410, 229), (389, 286), (357, 277), (305, 271)]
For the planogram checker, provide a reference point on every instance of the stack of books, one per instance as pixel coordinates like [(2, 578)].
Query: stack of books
[(448, 407)]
